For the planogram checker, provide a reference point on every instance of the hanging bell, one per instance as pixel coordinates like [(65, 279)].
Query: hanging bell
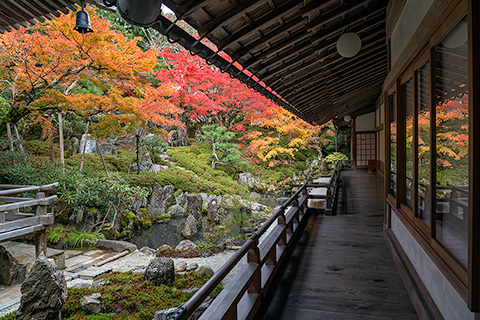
[(83, 22)]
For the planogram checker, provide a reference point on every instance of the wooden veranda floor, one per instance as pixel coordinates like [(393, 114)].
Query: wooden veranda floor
[(342, 268)]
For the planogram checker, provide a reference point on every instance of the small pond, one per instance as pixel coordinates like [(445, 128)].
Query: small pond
[(170, 232)]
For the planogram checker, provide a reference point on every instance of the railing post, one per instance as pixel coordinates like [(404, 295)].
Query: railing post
[(40, 236), (282, 221), (253, 256), (329, 195)]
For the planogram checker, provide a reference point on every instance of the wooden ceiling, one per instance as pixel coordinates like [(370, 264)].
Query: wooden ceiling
[(290, 45)]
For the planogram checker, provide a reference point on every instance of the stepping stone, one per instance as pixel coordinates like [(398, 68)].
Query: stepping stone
[(92, 272), (76, 260)]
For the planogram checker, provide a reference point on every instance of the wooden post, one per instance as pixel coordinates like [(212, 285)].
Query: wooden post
[(253, 256), (10, 138), (40, 236), (137, 141), (50, 141), (62, 147)]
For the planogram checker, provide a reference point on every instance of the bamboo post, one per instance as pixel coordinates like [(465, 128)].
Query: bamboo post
[(20, 145), (62, 146), (10, 138), (40, 236)]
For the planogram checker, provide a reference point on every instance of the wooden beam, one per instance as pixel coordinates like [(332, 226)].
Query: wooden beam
[(266, 20)]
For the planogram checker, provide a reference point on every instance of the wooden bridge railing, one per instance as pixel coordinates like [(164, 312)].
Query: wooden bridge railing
[(14, 224), (242, 297)]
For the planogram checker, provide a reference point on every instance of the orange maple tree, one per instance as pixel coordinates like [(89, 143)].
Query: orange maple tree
[(103, 75)]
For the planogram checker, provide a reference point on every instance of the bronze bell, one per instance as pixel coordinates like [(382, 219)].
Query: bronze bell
[(83, 22)]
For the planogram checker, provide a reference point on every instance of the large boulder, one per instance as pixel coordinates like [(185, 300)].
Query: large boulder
[(160, 271), (11, 272), (107, 148), (116, 245), (190, 227), (93, 304), (91, 144), (73, 146), (194, 205), (176, 211), (157, 205), (44, 292), (212, 206)]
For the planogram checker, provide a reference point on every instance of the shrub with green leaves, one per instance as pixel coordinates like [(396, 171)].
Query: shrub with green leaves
[(129, 296)]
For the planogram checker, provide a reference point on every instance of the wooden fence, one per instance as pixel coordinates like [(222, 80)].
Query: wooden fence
[(14, 223)]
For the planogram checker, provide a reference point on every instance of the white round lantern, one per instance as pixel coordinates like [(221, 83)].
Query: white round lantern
[(457, 37), (347, 118), (349, 44)]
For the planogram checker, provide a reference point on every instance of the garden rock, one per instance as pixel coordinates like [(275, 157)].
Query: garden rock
[(98, 283), (91, 145), (179, 196), (194, 205), (138, 203), (116, 245), (213, 204), (11, 272), (44, 292), (160, 271), (107, 148), (186, 245), (158, 168), (204, 270), (157, 205), (168, 192), (178, 138), (192, 266), (168, 314), (79, 283), (190, 227), (164, 247), (180, 266), (147, 250), (176, 211), (93, 304)]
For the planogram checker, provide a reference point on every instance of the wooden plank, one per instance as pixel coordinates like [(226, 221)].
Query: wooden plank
[(18, 205), (18, 224), (20, 232)]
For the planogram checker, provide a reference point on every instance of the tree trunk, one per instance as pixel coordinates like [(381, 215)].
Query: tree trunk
[(62, 147), (137, 142), (10, 138), (101, 154), (84, 147), (50, 141), (20, 144)]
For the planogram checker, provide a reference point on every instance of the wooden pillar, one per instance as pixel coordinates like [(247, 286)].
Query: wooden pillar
[(353, 145), (40, 236)]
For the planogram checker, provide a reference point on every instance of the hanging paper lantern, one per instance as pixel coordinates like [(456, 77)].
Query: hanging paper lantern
[(349, 44)]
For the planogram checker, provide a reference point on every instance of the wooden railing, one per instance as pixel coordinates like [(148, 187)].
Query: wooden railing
[(14, 224), (331, 187), (242, 297)]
